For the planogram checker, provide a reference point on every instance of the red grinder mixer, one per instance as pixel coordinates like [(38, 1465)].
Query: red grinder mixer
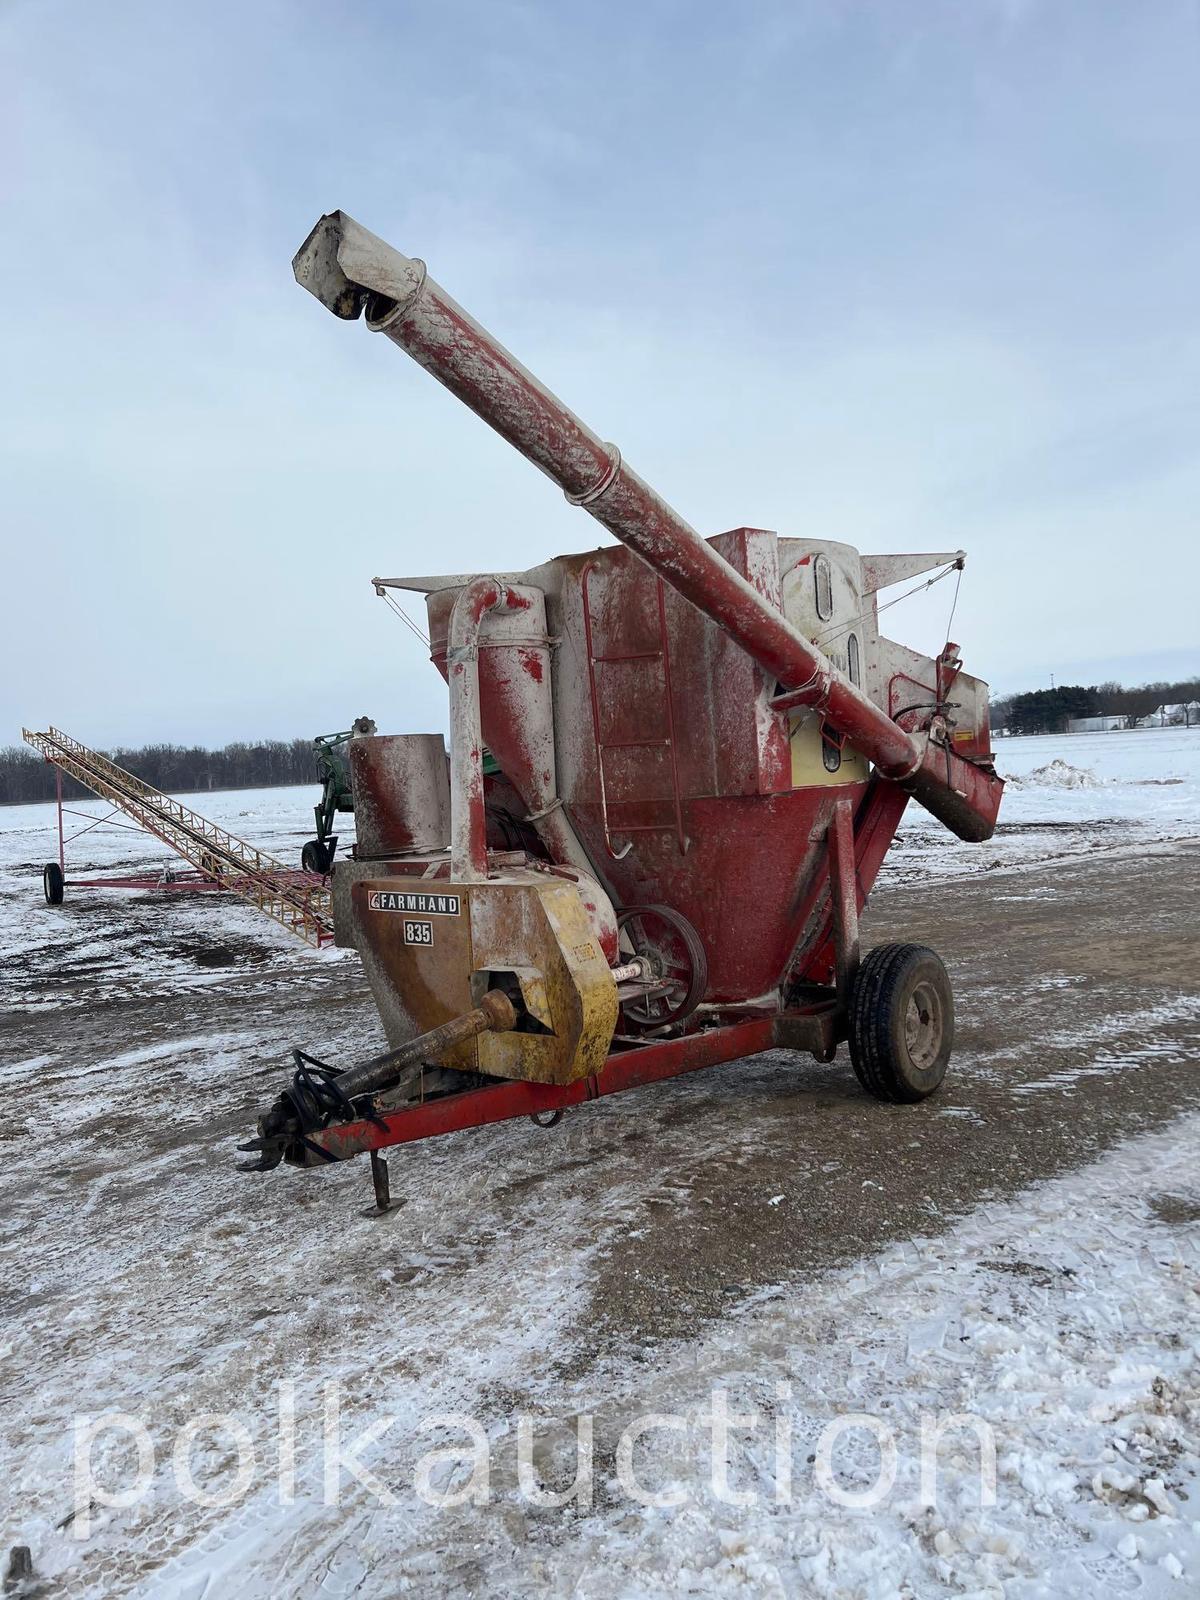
[(704, 747)]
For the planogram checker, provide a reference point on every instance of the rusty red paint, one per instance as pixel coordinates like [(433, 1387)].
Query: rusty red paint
[(661, 747), (753, 875), (401, 794), (843, 892), (875, 823), (478, 1107), (532, 663), (468, 820), (473, 366)]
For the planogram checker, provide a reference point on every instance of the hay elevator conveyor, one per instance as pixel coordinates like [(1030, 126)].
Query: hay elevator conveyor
[(216, 859)]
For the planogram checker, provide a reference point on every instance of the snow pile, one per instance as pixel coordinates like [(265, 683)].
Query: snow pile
[(1056, 774)]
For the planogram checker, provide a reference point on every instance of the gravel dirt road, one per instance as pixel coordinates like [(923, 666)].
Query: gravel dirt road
[(154, 1277)]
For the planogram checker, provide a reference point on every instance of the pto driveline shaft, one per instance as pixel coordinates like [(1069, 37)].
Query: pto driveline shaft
[(493, 1014)]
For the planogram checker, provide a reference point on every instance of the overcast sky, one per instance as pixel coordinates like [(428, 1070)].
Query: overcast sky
[(909, 274)]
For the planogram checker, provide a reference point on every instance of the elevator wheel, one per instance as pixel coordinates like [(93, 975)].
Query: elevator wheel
[(678, 965)]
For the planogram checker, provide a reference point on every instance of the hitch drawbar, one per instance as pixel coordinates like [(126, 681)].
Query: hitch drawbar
[(321, 1094)]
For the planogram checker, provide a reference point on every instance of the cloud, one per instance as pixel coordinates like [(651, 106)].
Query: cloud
[(910, 277)]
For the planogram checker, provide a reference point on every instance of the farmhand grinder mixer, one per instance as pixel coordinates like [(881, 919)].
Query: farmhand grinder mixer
[(704, 748)]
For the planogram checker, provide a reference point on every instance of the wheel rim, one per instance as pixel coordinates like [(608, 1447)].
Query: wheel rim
[(923, 1026), (672, 947)]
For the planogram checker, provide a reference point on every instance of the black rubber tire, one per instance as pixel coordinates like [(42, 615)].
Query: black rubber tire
[(315, 857), (901, 1022), (53, 884)]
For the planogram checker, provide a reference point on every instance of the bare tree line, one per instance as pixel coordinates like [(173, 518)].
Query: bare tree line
[(26, 777), (1050, 710)]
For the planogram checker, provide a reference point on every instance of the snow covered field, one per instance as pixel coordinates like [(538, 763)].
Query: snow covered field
[(1057, 1317), (1067, 795), (276, 820), (124, 944)]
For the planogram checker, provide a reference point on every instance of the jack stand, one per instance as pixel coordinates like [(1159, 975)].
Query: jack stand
[(383, 1193)]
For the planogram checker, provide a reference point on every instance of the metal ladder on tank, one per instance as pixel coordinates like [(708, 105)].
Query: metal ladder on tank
[(604, 746), (299, 901)]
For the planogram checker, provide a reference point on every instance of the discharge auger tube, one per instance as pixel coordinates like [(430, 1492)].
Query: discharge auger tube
[(351, 271)]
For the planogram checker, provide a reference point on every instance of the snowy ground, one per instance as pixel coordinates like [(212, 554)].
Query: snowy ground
[(110, 945), (1067, 795), (1022, 1251)]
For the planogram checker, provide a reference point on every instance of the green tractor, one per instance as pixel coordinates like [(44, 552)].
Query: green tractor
[(333, 769)]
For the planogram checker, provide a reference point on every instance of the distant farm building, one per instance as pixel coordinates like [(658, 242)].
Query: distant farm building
[(1184, 715)]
